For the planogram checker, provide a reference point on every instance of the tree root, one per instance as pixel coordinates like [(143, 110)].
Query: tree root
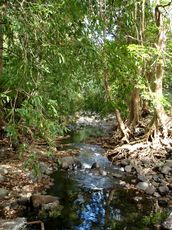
[(37, 222)]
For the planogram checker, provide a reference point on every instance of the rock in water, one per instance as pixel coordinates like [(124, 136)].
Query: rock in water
[(14, 224), (95, 166), (39, 200)]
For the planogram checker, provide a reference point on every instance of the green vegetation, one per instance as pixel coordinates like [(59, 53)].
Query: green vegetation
[(60, 57)]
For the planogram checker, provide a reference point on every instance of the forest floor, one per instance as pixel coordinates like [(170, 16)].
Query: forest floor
[(20, 177)]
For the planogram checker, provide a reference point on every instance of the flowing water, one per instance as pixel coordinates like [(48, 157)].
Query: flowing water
[(93, 201)]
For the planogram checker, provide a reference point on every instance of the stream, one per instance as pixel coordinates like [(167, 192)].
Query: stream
[(95, 198)]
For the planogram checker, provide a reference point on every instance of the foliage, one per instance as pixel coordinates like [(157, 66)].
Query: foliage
[(63, 56)]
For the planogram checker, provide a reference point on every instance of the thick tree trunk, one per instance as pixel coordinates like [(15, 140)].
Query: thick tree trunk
[(161, 116)]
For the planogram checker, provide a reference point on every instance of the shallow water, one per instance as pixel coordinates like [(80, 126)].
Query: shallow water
[(92, 201)]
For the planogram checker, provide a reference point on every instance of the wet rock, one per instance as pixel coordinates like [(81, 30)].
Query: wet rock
[(102, 172), (165, 169), (14, 224), (70, 163), (2, 178), (142, 186), (95, 166), (3, 192), (128, 168), (117, 175), (38, 200), (150, 190), (168, 223), (163, 190)]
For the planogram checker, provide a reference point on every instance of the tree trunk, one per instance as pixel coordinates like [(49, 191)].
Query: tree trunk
[(161, 116), (1, 44), (134, 108), (124, 131)]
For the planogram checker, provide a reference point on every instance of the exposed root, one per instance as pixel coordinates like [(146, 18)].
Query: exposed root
[(37, 222)]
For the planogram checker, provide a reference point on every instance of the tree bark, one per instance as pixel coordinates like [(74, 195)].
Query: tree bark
[(161, 116), (134, 107), (1, 43)]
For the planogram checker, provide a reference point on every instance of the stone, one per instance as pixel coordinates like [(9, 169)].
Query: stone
[(128, 168), (38, 199), (70, 163), (163, 190), (156, 194), (165, 169), (142, 178), (102, 172), (167, 224), (168, 163), (14, 224), (142, 186), (125, 162), (163, 202), (150, 190), (2, 178), (3, 192), (117, 175), (3, 171), (95, 165)]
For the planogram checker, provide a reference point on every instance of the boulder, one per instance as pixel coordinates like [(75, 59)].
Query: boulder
[(165, 169), (150, 190), (142, 186), (38, 200), (14, 224), (70, 163), (163, 190), (3, 171)]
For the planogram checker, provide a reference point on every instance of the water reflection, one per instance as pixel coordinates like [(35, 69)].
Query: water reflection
[(93, 212)]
